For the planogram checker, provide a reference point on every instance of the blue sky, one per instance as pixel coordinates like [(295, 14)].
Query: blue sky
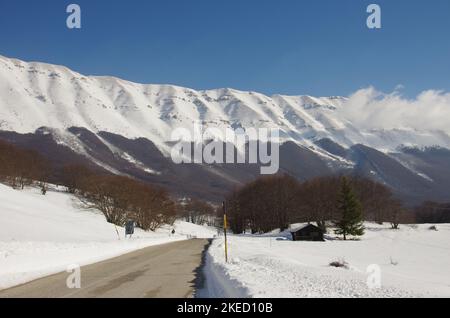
[(317, 47)]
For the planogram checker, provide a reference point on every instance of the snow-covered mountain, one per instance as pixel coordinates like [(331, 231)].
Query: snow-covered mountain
[(34, 95), (86, 113)]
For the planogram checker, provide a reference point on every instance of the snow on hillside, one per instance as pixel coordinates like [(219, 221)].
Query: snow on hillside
[(414, 262), (34, 95), (43, 235)]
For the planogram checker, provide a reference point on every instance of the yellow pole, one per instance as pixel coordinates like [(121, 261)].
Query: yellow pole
[(225, 226)]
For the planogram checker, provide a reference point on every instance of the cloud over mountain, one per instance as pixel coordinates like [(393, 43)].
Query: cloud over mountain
[(371, 109)]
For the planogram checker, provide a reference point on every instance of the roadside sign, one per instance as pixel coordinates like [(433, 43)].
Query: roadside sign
[(129, 228)]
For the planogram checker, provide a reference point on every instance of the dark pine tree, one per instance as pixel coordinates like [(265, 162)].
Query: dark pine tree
[(350, 211)]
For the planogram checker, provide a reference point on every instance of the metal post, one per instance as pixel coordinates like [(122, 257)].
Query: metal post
[(117, 231), (225, 226)]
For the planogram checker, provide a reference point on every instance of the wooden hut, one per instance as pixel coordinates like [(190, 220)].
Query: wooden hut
[(308, 233)]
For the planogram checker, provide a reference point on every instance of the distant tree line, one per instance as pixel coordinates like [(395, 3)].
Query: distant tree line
[(264, 205), (433, 212), (261, 206), (198, 212), (275, 202), (119, 198), (20, 167)]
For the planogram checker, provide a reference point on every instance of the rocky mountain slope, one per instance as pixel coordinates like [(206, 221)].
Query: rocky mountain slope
[(126, 128)]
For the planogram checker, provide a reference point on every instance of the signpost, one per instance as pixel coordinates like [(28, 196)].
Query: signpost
[(129, 228), (225, 226)]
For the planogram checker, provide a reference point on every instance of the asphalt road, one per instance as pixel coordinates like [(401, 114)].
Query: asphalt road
[(165, 271)]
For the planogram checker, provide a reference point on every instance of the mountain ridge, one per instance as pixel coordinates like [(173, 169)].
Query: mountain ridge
[(104, 119), (59, 98)]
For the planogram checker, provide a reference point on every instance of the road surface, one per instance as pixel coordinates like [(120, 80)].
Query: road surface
[(163, 271)]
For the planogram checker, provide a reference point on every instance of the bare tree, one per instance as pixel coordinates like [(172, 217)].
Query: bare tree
[(19, 167), (264, 205), (198, 212), (317, 199), (73, 177)]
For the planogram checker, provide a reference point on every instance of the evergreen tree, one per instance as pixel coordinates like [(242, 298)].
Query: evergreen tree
[(350, 210)]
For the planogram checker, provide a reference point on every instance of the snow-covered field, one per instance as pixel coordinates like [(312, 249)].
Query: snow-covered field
[(43, 235), (414, 262)]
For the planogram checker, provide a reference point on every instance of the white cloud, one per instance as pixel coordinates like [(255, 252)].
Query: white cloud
[(372, 109)]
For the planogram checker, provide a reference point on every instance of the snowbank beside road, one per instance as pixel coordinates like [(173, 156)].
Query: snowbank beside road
[(43, 235), (219, 283), (414, 262)]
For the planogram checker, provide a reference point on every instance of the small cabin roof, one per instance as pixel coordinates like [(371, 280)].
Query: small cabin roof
[(295, 230)]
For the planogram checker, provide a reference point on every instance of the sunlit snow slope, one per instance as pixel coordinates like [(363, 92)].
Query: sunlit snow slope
[(34, 95)]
